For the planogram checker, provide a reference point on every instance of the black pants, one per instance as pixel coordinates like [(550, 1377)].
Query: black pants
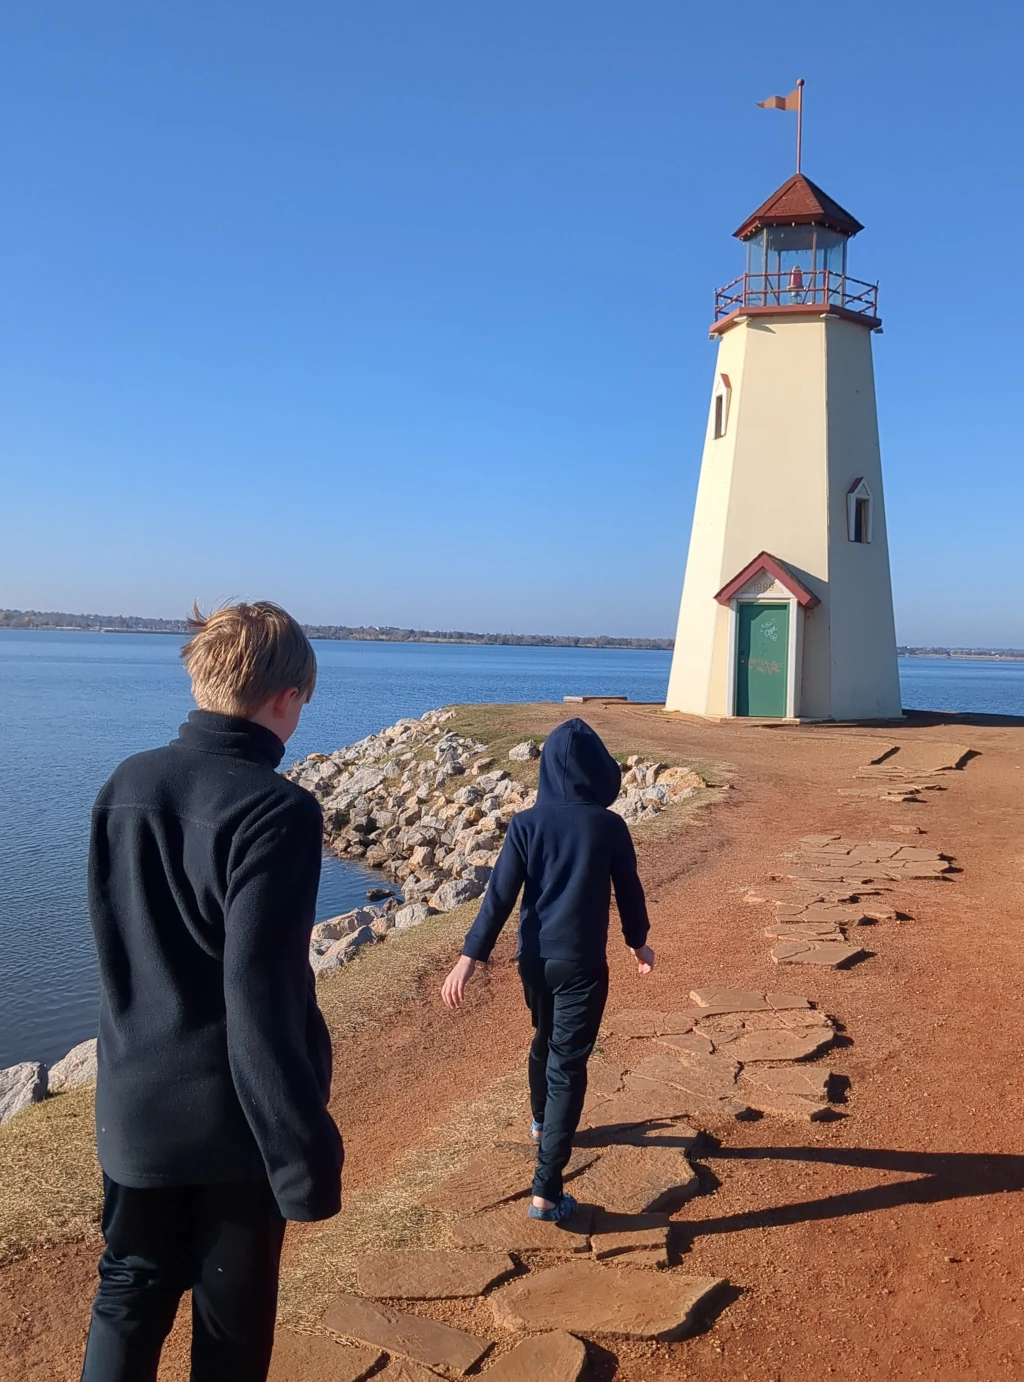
[(222, 1242), (566, 1002)]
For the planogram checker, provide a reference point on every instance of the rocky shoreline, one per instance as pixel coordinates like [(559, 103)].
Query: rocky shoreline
[(426, 806), (430, 807)]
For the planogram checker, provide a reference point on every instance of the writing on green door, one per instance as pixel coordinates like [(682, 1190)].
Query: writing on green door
[(762, 659)]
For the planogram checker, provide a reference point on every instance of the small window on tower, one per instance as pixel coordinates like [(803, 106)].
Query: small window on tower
[(859, 515), (720, 406)]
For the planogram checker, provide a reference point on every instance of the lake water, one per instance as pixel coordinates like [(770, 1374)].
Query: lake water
[(75, 704)]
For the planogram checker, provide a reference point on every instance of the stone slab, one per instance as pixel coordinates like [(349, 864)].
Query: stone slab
[(508, 1229), (620, 1238), (424, 1341), (634, 1180), (554, 1357), (617, 1302), (604, 1078), (794, 1021), (316, 1356), (730, 1000), (689, 1041), (828, 953), (645, 1023), (398, 1370), (419, 1274), (77, 1068), (492, 1177), (801, 1092), (775, 1046), (704, 1106), (811, 931), (632, 1107)]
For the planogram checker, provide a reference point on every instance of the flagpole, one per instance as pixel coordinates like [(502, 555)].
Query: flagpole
[(799, 121)]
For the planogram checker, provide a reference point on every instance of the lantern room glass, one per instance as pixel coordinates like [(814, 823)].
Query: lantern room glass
[(795, 264)]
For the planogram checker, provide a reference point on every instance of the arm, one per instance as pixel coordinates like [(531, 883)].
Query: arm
[(271, 900), (502, 891), (629, 891)]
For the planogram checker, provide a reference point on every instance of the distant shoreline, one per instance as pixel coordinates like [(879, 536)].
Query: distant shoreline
[(35, 621)]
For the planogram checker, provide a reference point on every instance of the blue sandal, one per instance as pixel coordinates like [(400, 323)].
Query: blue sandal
[(535, 1131), (564, 1208)]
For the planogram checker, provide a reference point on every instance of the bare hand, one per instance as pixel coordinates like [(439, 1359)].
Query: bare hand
[(453, 989), (644, 959)]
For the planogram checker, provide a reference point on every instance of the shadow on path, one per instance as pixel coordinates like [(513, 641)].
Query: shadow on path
[(938, 1176)]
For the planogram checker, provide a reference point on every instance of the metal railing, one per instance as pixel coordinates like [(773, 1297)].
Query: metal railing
[(796, 288)]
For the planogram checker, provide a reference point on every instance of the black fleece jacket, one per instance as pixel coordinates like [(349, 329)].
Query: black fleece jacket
[(566, 853), (214, 1060)]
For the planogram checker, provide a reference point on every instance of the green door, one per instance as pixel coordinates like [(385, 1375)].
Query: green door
[(762, 659)]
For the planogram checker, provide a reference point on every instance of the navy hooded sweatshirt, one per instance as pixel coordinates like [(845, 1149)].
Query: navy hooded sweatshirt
[(566, 853), (214, 1060)]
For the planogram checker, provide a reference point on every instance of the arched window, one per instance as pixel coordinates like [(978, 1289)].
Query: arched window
[(859, 512), (720, 406)]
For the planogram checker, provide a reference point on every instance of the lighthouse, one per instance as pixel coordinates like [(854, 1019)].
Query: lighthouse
[(786, 609)]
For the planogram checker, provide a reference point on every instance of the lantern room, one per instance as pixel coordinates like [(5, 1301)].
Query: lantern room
[(797, 244)]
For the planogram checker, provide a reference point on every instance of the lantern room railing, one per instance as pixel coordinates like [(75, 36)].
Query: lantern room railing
[(797, 288)]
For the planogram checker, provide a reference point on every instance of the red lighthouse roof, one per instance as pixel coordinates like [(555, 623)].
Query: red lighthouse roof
[(799, 202)]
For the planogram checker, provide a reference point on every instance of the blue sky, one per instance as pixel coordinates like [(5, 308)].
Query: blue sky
[(396, 311)]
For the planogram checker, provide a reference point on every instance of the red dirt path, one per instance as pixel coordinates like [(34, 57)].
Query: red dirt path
[(886, 1244)]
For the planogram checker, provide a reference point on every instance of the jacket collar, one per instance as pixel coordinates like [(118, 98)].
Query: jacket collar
[(232, 736)]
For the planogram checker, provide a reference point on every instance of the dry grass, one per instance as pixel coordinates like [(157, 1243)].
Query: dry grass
[(51, 1179), (389, 1216)]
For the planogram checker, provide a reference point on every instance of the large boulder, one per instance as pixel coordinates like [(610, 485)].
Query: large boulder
[(337, 928), (522, 753), (413, 914), (78, 1067), (339, 954), (21, 1086), (454, 893)]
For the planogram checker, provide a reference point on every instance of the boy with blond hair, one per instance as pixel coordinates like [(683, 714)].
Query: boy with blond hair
[(214, 1060)]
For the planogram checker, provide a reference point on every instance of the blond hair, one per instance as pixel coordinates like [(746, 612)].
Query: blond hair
[(241, 656)]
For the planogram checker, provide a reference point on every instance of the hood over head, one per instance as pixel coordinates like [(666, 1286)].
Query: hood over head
[(575, 767)]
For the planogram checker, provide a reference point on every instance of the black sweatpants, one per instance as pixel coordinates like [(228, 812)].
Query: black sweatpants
[(566, 1002), (222, 1242)]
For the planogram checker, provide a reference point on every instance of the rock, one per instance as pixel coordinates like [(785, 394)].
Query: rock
[(337, 928), (311, 1356), (412, 1336), (805, 952), (422, 1275), (590, 1298), (414, 914), (631, 1239), (660, 1104), (801, 1091), (522, 753), (382, 925), (553, 1357), (477, 873), (695, 1042), (507, 1229), (399, 1370), (21, 1086), (378, 894), (78, 1067), (775, 1046), (454, 893), (636, 1022), (744, 1000), (482, 764), (634, 1180), (494, 1176), (468, 796), (339, 954)]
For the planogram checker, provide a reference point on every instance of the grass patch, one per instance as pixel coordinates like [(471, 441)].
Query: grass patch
[(51, 1178)]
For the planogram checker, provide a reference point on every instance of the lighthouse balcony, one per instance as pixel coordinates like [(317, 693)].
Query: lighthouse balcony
[(799, 292)]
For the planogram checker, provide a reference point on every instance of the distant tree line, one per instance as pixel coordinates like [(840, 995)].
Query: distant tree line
[(992, 654), (130, 623)]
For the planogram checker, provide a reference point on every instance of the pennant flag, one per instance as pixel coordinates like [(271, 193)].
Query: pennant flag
[(790, 102)]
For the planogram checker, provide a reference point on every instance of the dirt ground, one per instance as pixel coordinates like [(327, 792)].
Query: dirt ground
[(885, 1244)]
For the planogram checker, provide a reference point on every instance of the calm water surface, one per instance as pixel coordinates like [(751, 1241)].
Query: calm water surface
[(76, 704)]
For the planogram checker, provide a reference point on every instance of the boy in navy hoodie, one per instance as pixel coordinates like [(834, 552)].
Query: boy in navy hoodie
[(566, 853)]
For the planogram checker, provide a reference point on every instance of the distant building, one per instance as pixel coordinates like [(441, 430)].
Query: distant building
[(787, 604)]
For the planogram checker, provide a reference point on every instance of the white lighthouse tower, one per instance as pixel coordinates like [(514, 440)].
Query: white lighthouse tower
[(787, 603)]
